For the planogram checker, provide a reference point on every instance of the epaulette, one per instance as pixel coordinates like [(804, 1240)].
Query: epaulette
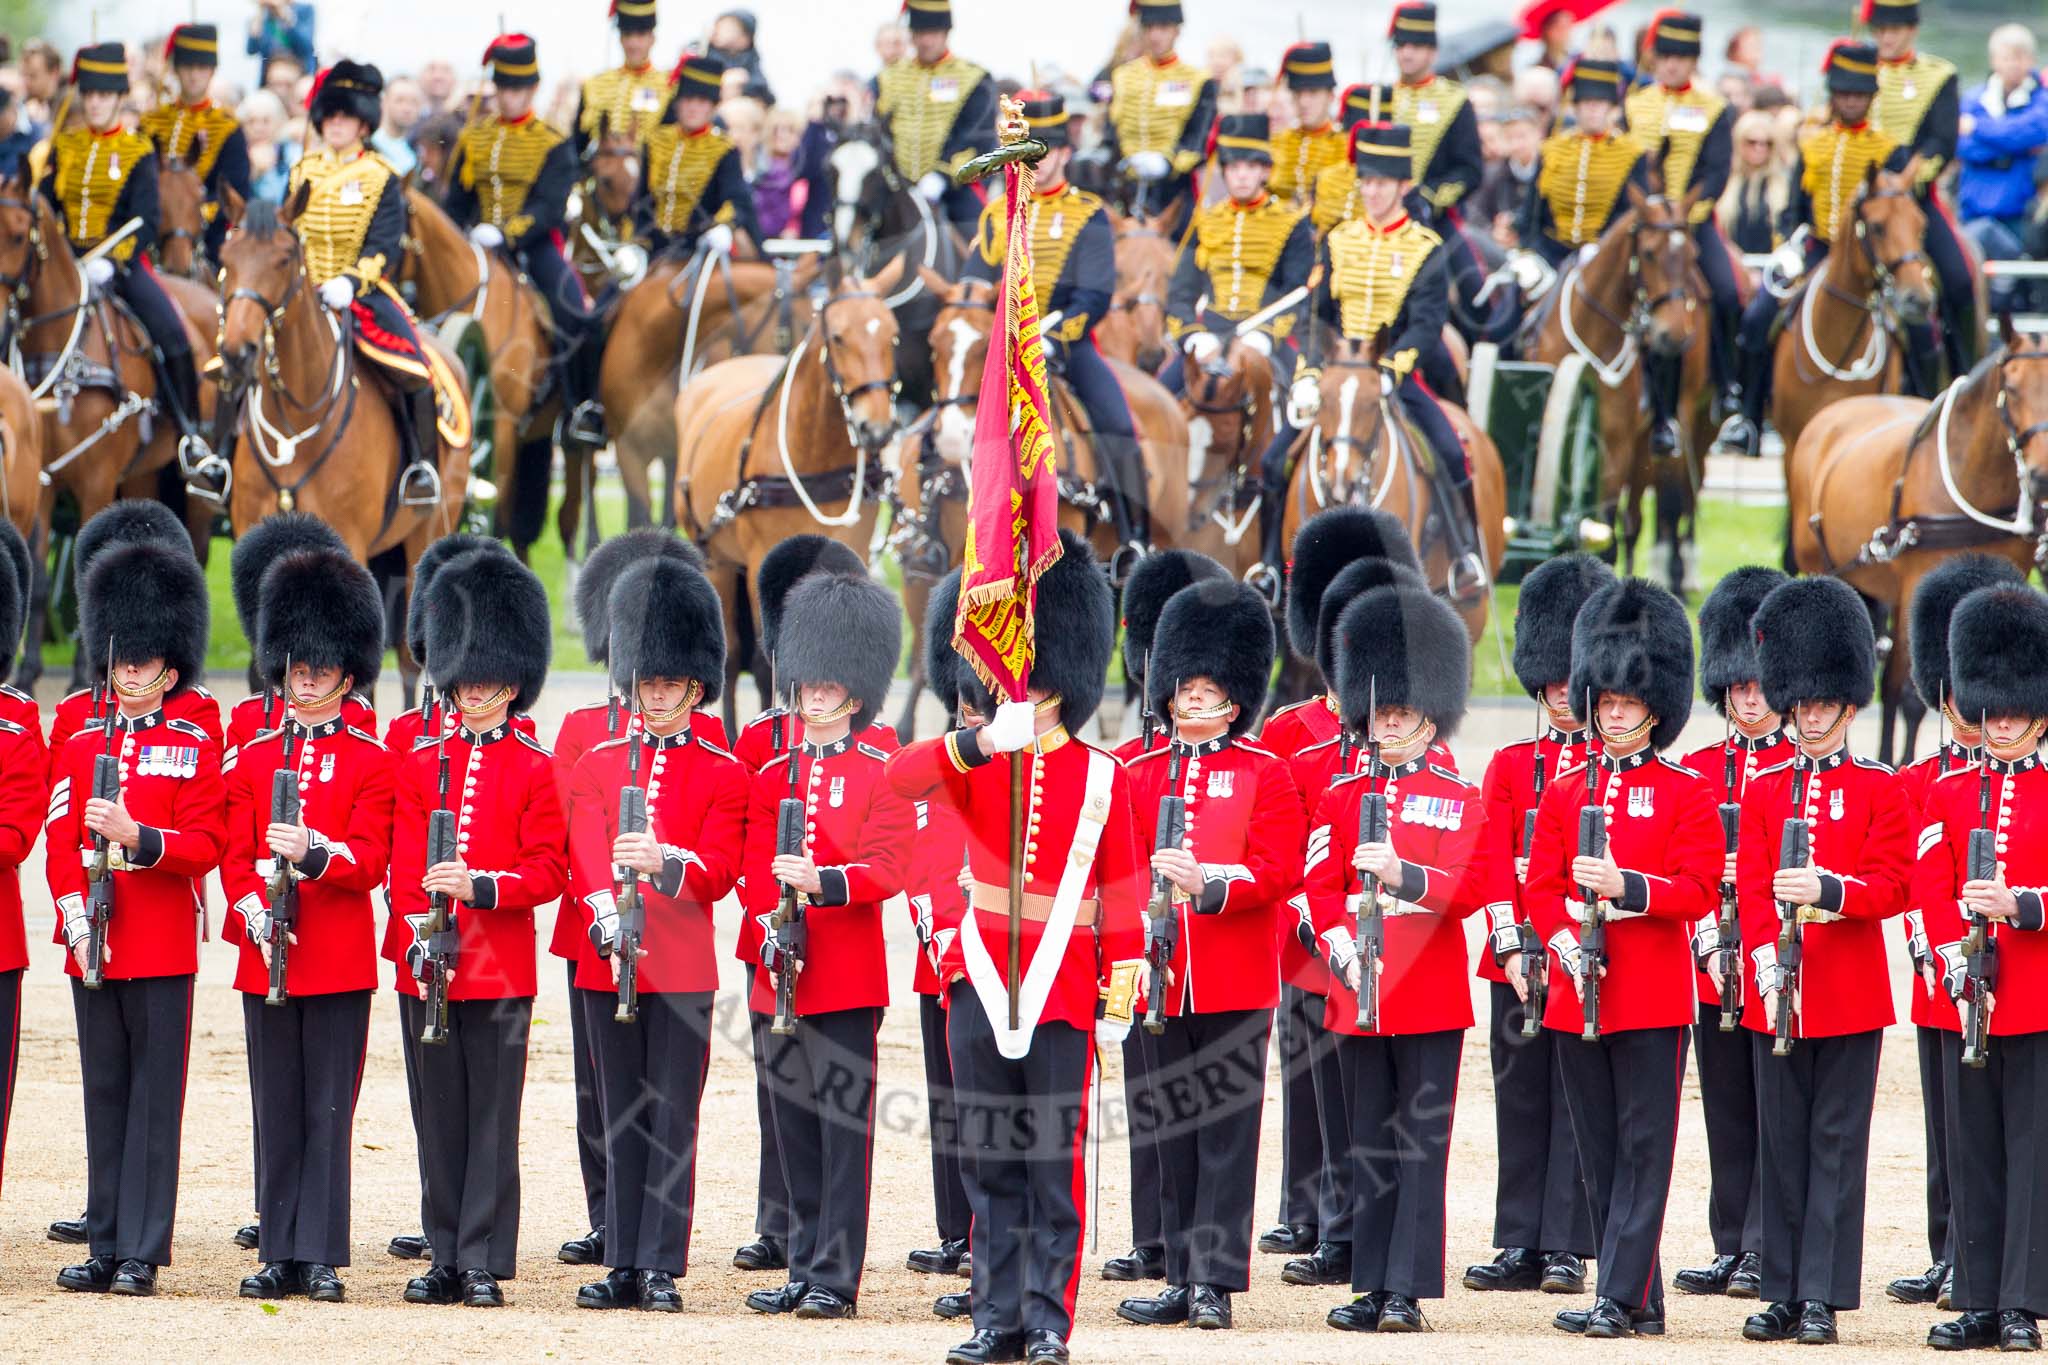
[(1252, 746), (777, 761), (1774, 768), (10, 690), (1319, 744), (530, 742), (770, 714), (364, 735), (8, 727), (708, 747), (1677, 767), (611, 743), (186, 727), (1144, 754), (1442, 771), (1341, 778), (870, 750), (1873, 763), (426, 742), (199, 690), (1316, 700), (1954, 773)]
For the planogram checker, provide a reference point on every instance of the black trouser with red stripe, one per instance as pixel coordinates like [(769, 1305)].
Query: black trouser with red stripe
[(1404, 1091), (1141, 1106), (1622, 1091), (1209, 1086), (1022, 1125), (134, 1038), (1933, 1045), (1813, 1162), (949, 1189), (309, 1055), (1996, 1152), (1540, 1201), (1301, 1133), (771, 1191), (651, 1075), (821, 1090), (471, 1088), (412, 1021), (1728, 1102), (10, 1054), (590, 1157)]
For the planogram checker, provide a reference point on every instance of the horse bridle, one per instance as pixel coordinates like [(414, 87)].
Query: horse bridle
[(1645, 305), (1883, 271), (1369, 444), (273, 314), (2017, 439), (972, 395), (892, 385)]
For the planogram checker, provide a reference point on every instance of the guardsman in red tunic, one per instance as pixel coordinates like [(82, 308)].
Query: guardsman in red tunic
[(319, 637), (937, 898), (839, 640), (666, 651), (144, 607), (582, 730), (1754, 741), (1998, 650), (24, 790), (1540, 1221), (1219, 893), (1152, 583), (15, 704), (1026, 1119), (1632, 677), (1816, 1050), (488, 642), (766, 737), (1404, 672), (1937, 1027)]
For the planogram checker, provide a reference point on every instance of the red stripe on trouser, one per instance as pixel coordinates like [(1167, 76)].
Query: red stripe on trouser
[(1079, 1166)]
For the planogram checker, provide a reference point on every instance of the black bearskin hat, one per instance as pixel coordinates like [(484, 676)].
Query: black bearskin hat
[(1632, 638), (790, 560), (431, 559), (1402, 645), (487, 622), (1360, 575), (1150, 587), (666, 622), (1551, 596), (347, 88), (1727, 644), (20, 577), (1076, 631), (320, 608), (126, 522), (844, 628), (1998, 642), (1327, 542), (948, 675), (1934, 606), (1814, 643), (1220, 630), (606, 565), (149, 599), (262, 545)]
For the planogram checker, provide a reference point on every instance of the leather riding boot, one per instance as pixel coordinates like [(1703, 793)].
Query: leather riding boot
[(420, 485), (1742, 434), (1125, 461), (1467, 581), (181, 390), (1272, 570)]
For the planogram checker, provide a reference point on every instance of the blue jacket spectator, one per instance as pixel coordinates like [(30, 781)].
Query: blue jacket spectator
[(282, 26), (2004, 128)]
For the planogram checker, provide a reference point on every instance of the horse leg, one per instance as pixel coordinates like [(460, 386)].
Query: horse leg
[(29, 667), (916, 592), (392, 575), (576, 462), (535, 463)]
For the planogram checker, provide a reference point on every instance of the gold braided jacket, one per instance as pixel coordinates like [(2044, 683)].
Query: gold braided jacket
[(1904, 91), (1054, 220), (921, 104), (1237, 247), (500, 161), (628, 98), (1336, 199), (1684, 116), (1837, 159), (1581, 179), (91, 170), (1300, 155), (1426, 110), (679, 166), (339, 207), (174, 126), (1371, 271), (1150, 104)]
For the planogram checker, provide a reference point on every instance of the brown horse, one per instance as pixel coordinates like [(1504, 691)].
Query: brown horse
[(23, 500), (1641, 294), (1843, 337), (1134, 328), (768, 447), (181, 212), (929, 529), (1883, 487), (1228, 405), (687, 312), (434, 143), (605, 202), (1359, 451), (89, 364)]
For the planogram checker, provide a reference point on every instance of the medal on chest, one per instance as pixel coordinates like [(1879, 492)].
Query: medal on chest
[(944, 89), (327, 767), (351, 192), (1835, 804), (837, 796), (1435, 812), (1641, 802), (1219, 783)]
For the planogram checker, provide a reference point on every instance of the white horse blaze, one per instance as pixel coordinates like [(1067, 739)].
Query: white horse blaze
[(1200, 437), (1347, 396), (956, 428)]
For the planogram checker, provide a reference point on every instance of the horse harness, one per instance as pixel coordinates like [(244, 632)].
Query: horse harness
[(1642, 308), (1879, 306)]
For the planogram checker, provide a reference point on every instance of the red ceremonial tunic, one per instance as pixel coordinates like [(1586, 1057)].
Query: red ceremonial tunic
[(24, 794), (1508, 794), (1433, 822), (1753, 755), (171, 784), (932, 883), (1929, 1008), (696, 811), (345, 781), (194, 704), (951, 767), (509, 833), (858, 830), (1861, 845), (1663, 831), (756, 747), (2019, 803), (1245, 829), (262, 711), (20, 708)]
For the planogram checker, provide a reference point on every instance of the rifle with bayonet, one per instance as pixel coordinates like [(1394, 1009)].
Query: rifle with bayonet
[(1729, 924), (1162, 921), (632, 904), (440, 935), (1593, 930), (1980, 950), (1795, 846), (283, 889), (786, 925), (1372, 829), (99, 873), (1535, 967)]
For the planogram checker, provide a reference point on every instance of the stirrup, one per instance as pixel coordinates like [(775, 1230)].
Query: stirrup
[(1264, 579), (1124, 558), (415, 478), (194, 454), (205, 473), (1465, 580), (1738, 436), (586, 424), (1667, 427)]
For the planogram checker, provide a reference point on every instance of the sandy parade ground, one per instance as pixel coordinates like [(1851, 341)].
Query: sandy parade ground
[(198, 1314)]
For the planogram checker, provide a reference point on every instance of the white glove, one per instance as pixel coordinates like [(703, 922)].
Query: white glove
[(1259, 342), (1111, 1032), (1386, 385), (1203, 346), (338, 293), (1013, 726), (1150, 165), (933, 185), (487, 237), (1528, 269), (1304, 401), (717, 239), (98, 272)]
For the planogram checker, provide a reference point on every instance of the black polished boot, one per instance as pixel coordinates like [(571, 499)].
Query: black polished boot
[(1922, 1288), (585, 1250), (1143, 1263), (1166, 1308), (1515, 1268), (1970, 1332), (943, 1259), (1707, 1279), (1816, 1324), (618, 1289), (1564, 1272), (420, 484), (274, 1281), (1208, 1308), (1329, 1263), (1288, 1239), (1778, 1322)]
